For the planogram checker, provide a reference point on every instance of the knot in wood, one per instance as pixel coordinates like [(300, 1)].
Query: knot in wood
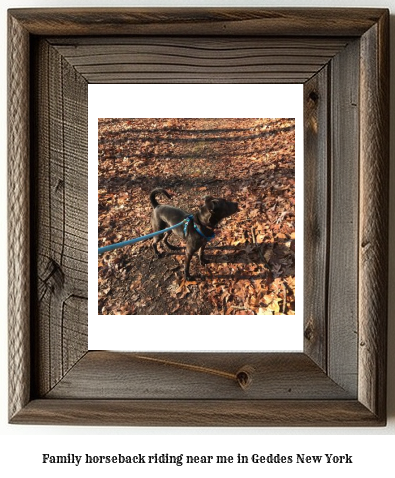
[(309, 332), (313, 96), (244, 376)]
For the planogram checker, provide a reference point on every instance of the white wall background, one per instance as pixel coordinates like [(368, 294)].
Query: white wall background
[(22, 446)]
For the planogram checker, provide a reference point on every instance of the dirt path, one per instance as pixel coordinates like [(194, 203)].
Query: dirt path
[(251, 268)]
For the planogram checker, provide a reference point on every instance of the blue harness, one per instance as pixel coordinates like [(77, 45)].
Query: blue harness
[(187, 220)]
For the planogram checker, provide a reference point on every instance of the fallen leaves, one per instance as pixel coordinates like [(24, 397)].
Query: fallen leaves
[(251, 264)]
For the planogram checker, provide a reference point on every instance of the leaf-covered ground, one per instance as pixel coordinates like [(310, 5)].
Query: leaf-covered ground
[(251, 260)]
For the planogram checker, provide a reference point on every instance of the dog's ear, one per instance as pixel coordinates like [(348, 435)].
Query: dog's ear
[(211, 203)]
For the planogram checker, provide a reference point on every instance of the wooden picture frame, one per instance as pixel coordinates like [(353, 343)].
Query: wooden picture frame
[(342, 58)]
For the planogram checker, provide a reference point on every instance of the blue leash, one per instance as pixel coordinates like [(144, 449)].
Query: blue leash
[(111, 247)]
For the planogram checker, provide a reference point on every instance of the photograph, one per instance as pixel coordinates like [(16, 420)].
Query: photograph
[(222, 189)]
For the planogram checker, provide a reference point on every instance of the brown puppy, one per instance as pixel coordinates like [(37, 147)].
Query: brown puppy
[(198, 230)]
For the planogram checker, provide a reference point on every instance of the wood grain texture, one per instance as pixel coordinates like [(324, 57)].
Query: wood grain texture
[(192, 60), (202, 413), (353, 118), (61, 230), (343, 227), (18, 218), (183, 376), (373, 233), (199, 21), (316, 214)]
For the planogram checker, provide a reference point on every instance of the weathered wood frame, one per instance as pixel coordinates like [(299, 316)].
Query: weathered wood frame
[(341, 56)]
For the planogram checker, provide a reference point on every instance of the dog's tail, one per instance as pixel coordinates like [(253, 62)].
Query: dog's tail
[(152, 196)]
